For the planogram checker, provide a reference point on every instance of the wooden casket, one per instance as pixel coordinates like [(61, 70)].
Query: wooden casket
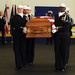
[(38, 28)]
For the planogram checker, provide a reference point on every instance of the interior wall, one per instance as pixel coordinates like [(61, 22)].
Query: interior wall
[(33, 3)]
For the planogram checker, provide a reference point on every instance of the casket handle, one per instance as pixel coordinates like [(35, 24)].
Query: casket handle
[(38, 31)]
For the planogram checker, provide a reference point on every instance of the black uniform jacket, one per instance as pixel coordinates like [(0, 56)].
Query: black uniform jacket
[(17, 23), (64, 25)]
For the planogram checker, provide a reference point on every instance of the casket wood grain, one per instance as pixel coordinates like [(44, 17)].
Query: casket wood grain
[(38, 28)]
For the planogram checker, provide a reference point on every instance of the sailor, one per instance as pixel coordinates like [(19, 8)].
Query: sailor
[(19, 42), (49, 40), (30, 41), (61, 37)]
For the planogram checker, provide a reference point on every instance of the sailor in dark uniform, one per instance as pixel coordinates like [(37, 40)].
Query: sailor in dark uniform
[(19, 42), (30, 41), (71, 22), (49, 40), (61, 38), (2, 24)]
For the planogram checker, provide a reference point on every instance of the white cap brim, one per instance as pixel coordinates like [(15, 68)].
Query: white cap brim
[(62, 5), (50, 12), (20, 6), (26, 7)]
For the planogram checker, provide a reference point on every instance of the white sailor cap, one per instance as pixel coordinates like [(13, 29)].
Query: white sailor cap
[(20, 6), (26, 7), (62, 5), (50, 12), (67, 8)]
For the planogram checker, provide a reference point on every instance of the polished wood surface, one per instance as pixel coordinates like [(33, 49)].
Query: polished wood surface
[(38, 28)]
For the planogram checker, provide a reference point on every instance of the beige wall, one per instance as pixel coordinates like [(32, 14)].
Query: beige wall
[(33, 3)]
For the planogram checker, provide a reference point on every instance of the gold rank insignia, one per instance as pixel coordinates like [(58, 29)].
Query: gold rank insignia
[(27, 18), (21, 27), (62, 18)]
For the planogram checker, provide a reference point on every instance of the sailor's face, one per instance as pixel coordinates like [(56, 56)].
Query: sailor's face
[(20, 10), (62, 9), (50, 14), (26, 11)]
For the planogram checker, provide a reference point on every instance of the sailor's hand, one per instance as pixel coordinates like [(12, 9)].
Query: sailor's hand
[(24, 30)]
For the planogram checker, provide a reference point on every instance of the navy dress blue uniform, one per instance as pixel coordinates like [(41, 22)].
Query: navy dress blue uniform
[(19, 41), (49, 40), (2, 24), (67, 55), (30, 48), (61, 40)]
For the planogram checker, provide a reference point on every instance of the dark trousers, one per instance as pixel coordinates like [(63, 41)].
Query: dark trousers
[(61, 47), (30, 50), (68, 51), (19, 47)]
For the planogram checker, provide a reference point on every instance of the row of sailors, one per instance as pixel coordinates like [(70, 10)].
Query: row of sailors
[(24, 47)]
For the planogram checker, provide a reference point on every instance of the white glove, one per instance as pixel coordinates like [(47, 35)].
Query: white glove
[(54, 31), (53, 26), (24, 30)]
